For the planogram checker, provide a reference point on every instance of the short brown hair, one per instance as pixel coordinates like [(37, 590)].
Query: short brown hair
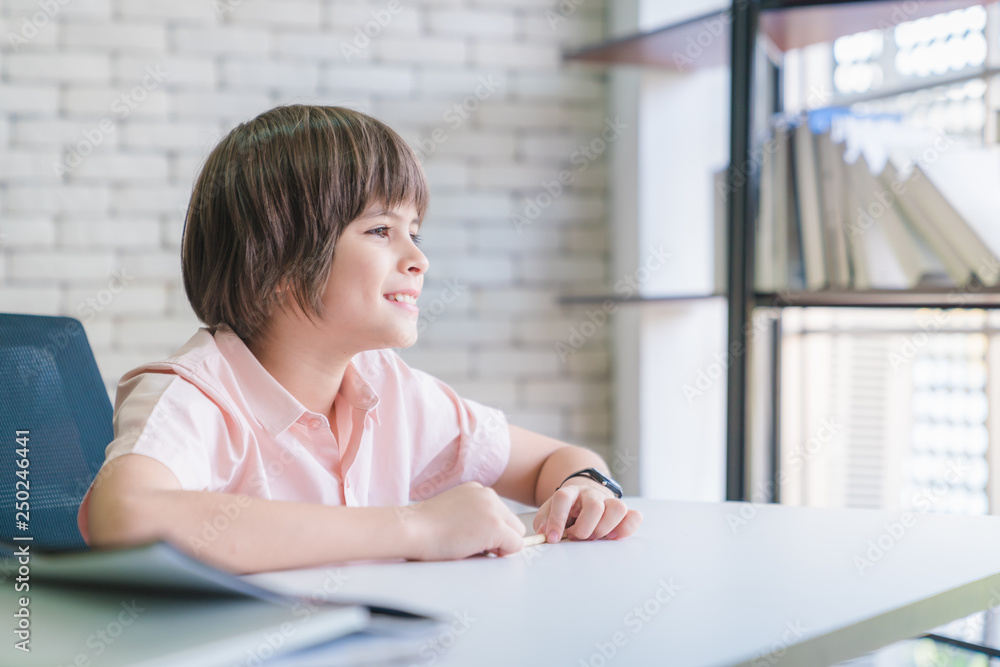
[(272, 201)]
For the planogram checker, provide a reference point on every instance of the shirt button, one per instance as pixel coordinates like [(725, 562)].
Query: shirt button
[(314, 424)]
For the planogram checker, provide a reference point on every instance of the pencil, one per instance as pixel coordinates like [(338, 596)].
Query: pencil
[(535, 540)]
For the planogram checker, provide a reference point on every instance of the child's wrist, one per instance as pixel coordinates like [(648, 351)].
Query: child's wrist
[(411, 536), (587, 483)]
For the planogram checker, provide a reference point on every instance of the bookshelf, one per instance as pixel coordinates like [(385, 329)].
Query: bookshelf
[(788, 24), (791, 24)]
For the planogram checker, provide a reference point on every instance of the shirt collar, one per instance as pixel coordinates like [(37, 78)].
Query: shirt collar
[(272, 404)]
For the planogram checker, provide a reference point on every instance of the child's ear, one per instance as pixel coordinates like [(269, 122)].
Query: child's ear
[(281, 293)]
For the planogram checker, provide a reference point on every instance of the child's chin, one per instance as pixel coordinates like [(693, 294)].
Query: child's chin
[(408, 341), (403, 339)]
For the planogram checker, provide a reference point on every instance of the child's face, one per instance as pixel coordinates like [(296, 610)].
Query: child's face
[(375, 257)]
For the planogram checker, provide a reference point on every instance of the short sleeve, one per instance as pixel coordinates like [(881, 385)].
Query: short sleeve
[(455, 439), (168, 419), (164, 417)]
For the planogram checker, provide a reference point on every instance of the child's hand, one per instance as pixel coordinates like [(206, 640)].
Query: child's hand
[(463, 521), (595, 512)]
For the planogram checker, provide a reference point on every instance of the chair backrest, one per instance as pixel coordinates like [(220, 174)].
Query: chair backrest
[(54, 414)]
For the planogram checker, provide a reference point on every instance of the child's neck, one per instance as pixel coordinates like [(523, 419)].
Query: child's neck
[(310, 373)]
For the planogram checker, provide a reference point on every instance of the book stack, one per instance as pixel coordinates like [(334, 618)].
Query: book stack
[(155, 606), (856, 203)]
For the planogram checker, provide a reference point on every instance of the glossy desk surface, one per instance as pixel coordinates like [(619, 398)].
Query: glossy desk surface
[(699, 584)]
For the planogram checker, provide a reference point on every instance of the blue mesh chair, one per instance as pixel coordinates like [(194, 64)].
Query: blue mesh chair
[(51, 389)]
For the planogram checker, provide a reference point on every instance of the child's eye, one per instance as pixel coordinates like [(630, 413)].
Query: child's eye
[(417, 238), (382, 232)]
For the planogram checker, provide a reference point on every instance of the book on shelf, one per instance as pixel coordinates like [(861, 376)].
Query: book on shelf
[(720, 191), (878, 211), (934, 235), (890, 256), (958, 189), (786, 271), (765, 270), (833, 175), (810, 208), (778, 263), (861, 275), (855, 202), (772, 238)]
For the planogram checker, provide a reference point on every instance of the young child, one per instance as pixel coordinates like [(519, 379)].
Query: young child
[(288, 433)]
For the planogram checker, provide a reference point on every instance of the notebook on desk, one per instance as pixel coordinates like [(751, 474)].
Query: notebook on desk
[(156, 568), (154, 606), (76, 627)]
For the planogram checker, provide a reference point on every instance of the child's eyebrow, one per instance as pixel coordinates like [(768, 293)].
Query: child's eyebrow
[(392, 214)]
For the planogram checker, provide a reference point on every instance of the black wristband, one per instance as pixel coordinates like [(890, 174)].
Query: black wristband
[(599, 477)]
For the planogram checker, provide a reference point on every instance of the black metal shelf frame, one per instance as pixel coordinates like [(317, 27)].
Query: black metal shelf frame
[(741, 204), (590, 299), (955, 297)]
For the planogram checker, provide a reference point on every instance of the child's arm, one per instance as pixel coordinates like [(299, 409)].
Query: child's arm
[(137, 499), (539, 464)]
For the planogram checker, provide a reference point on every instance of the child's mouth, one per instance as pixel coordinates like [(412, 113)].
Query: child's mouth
[(407, 301)]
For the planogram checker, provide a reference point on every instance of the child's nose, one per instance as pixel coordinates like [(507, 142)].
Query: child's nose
[(418, 262)]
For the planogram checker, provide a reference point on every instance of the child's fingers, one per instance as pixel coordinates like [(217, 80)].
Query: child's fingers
[(614, 511), (561, 503), (627, 526), (511, 540), (538, 523), (591, 511), (514, 522)]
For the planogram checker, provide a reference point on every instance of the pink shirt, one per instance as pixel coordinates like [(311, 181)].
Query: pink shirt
[(218, 420)]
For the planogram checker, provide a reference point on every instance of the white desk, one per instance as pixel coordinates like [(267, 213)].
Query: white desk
[(784, 585)]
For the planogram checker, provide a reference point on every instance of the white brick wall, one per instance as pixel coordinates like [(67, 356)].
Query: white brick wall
[(167, 10), (100, 37), (77, 67), (475, 85)]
